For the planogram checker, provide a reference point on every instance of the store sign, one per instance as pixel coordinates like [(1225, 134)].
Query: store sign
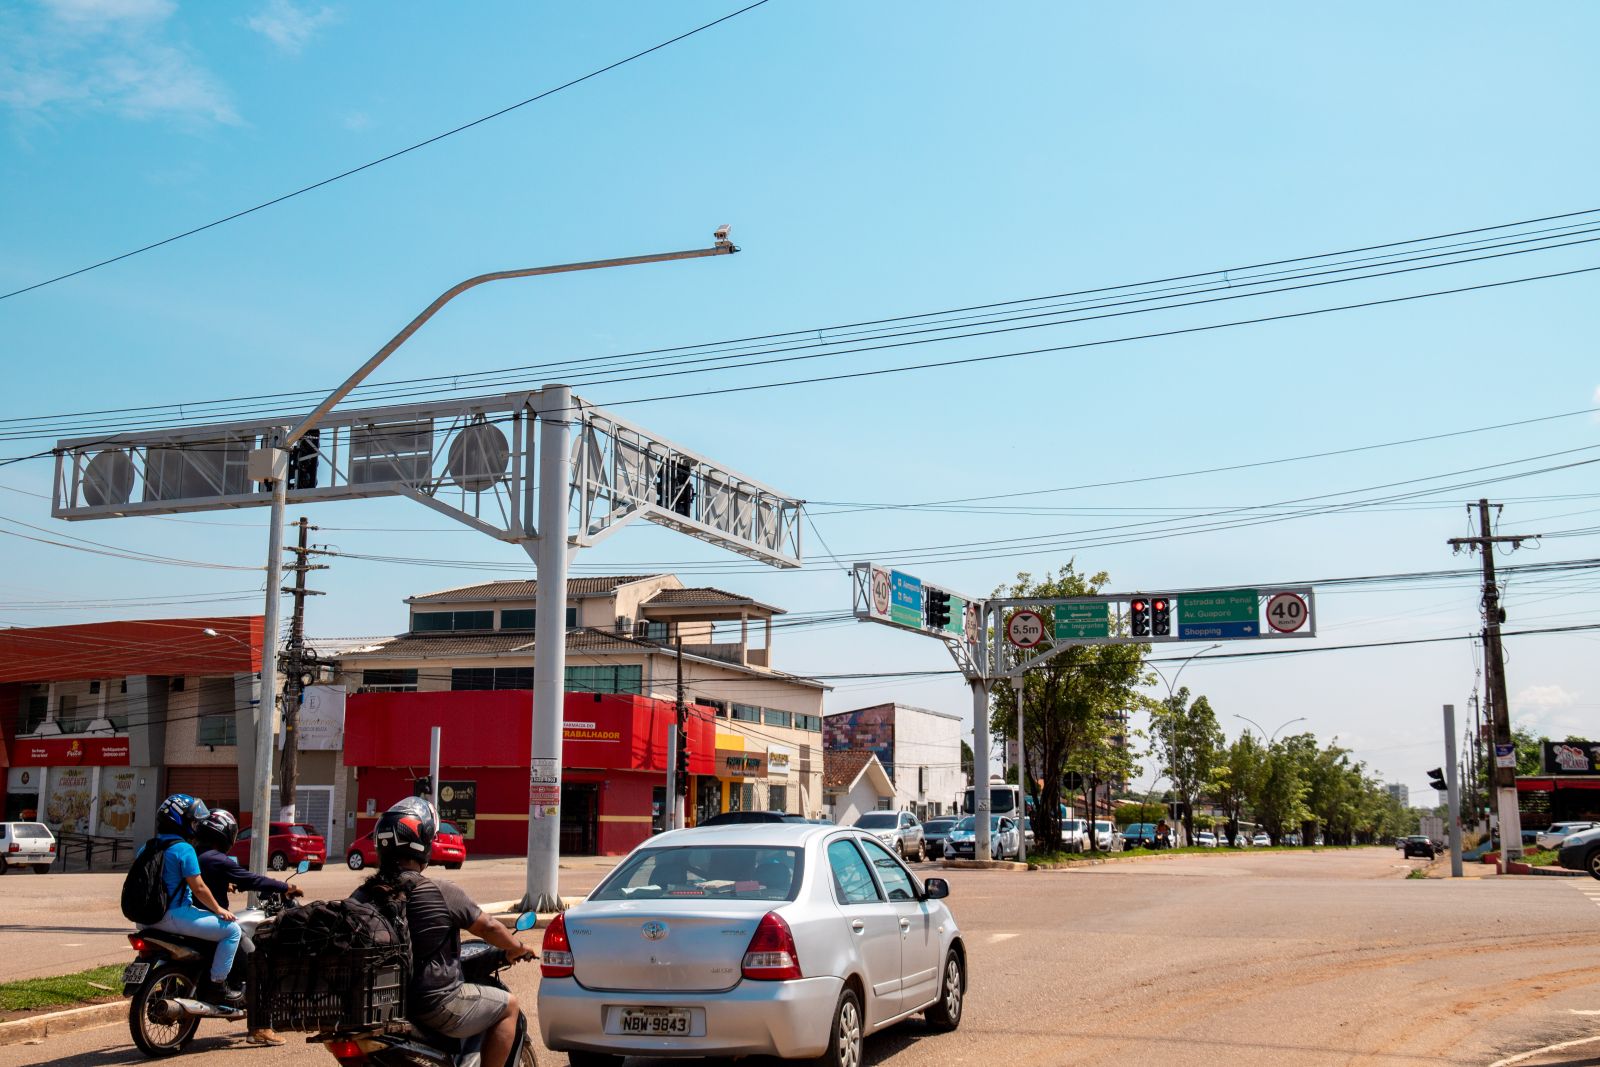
[(588, 731), (732, 763), (76, 751), (1572, 757), (778, 759), (320, 727), (458, 803), (22, 780)]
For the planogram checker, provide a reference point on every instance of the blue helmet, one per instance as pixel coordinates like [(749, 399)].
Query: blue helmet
[(180, 814)]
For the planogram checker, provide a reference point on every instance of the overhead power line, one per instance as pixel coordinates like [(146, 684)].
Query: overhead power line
[(436, 138)]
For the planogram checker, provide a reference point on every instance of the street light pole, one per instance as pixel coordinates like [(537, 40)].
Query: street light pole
[(269, 465), (1263, 732), (1172, 697)]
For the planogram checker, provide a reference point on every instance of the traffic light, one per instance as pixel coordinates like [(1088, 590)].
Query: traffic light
[(1139, 617), (938, 609), (302, 472), (1436, 779), (1161, 616), (675, 486), (681, 780), (423, 787)]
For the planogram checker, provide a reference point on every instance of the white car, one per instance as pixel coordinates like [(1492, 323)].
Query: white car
[(1261, 839), (783, 939), (1557, 832), (26, 844), (1074, 835), (1106, 836), (899, 830), (1205, 839), (962, 844)]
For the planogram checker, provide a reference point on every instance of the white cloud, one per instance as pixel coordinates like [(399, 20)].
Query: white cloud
[(287, 26), (1545, 698), (356, 120), (106, 56)]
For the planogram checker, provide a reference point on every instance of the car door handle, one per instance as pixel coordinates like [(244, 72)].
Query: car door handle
[(905, 924), (857, 925)]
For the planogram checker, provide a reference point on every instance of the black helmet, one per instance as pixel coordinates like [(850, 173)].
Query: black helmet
[(406, 831), (219, 830), (180, 814)]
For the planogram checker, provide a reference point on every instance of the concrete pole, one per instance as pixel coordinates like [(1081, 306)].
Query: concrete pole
[(542, 891), (1453, 796), (980, 770), (433, 769), (1022, 775), (267, 706), (669, 810)]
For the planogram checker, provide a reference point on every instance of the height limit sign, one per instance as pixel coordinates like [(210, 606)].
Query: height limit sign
[(1025, 629)]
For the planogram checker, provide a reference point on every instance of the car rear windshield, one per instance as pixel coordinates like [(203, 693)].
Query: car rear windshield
[(879, 820), (31, 829), (448, 828), (304, 830), (725, 872), (938, 826)]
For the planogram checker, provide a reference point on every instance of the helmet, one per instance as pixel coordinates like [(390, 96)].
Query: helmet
[(180, 814), (219, 829), (406, 831)]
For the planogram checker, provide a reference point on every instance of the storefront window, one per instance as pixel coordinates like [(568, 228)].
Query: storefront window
[(748, 801), (217, 725), (777, 798)]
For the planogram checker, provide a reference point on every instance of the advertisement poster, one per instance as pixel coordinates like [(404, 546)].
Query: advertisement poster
[(67, 810), (119, 801), (458, 803), (320, 727)]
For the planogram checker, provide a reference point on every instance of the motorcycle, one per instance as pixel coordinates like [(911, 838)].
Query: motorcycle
[(164, 980), (405, 1044)]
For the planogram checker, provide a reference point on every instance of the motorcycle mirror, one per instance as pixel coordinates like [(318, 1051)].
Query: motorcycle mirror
[(305, 865), (527, 921)]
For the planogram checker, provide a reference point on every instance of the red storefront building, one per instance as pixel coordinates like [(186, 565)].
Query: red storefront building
[(614, 762)]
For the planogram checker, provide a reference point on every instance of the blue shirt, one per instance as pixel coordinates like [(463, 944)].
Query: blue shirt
[(179, 863)]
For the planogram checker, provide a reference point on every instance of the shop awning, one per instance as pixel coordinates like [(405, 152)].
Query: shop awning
[(1553, 785)]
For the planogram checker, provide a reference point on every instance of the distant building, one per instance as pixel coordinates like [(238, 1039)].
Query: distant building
[(919, 749), (854, 783), (1399, 791)]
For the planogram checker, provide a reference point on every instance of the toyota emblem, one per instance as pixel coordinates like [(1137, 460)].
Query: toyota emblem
[(654, 930)]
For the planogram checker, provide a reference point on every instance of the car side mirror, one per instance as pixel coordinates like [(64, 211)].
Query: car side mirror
[(527, 921), (935, 889)]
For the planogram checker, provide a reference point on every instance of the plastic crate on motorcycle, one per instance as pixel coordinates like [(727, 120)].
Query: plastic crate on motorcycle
[(349, 989)]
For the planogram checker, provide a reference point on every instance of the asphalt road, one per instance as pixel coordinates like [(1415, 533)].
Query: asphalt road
[(1234, 959)]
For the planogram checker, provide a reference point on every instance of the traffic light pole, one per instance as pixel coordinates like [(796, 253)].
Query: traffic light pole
[(1453, 794)]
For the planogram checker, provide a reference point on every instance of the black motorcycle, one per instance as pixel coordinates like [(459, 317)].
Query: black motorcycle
[(165, 980), (409, 1045)]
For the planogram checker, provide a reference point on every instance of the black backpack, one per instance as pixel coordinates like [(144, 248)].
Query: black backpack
[(144, 890)]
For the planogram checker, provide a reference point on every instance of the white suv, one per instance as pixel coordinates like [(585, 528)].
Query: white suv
[(1557, 832), (899, 830), (26, 844)]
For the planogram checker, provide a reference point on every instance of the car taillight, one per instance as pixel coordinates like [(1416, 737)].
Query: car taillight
[(347, 1051), (52, 846), (139, 944), (555, 952), (771, 955)]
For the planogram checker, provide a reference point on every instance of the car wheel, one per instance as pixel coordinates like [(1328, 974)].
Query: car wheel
[(845, 1037), (278, 862), (41, 868), (946, 1014), (355, 861), (452, 866), (900, 848), (2, 865), (578, 1058), (1592, 864)]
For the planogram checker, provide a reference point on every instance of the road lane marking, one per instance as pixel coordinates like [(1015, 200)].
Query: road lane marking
[(1583, 1011), (1531, 1053), (997, 938)]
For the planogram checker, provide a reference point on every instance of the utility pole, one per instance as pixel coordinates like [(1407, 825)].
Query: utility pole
[(1453, 795), (671, 817), (1505, 778), (298, 666)]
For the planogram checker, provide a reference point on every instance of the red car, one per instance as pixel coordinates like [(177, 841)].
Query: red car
[(449, 850), (289, 843)]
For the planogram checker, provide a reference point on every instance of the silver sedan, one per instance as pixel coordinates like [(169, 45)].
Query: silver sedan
[(791, 940)]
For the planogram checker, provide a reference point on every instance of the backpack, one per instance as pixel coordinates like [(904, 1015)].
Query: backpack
[(332, 927), (144, 890)]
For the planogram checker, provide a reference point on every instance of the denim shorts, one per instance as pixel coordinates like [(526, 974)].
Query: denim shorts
[(471, 1010)]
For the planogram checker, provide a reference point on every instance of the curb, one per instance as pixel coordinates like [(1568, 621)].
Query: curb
[(506, 914), (983, 865), (39, 1027)]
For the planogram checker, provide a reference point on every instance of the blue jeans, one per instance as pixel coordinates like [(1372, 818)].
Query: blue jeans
[(195, 922)]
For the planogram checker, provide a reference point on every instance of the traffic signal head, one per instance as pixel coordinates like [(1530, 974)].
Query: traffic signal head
[(1436, 779), (681, 779), (423, 787), (938, 609), (1139, 617), (1161, 616)]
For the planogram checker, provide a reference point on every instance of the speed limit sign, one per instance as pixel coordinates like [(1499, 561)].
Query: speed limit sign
[(1286, 612), (1025, 629)]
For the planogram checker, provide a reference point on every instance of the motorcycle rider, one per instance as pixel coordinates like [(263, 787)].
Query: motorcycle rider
[(213, 837), (436, 913), (192, 910)]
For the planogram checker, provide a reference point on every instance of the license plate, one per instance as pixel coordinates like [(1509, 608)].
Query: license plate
[(654, 1021), (134, 973)]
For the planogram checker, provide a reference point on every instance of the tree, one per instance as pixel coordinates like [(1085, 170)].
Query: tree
[(1072, 705), (1235, 780), (1281, 788), (966, 762), (1188, 742)]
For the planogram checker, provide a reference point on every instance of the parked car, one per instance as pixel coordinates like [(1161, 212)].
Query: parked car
[(934, 832), (287, 844), (1581, 852), (1205, 839), (1138, 835), (728, 817), (899, 830), (449, 849), (1074, 835), (1261, 839), (1107, 836), (963, 843), (1291, 839), (26, 844), (767, 940), (1557, 832), (1419, 845)]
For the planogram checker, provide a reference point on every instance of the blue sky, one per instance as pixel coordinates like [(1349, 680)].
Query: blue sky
[(874, 160)]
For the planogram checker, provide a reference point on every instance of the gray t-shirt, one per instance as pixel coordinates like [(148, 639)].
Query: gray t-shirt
[(436, 913)]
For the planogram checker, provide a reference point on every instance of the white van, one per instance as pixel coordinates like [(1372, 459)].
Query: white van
[(26, 844)]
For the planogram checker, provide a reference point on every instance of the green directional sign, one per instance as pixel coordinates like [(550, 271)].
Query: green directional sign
[(1085, 621), (1227, 613)]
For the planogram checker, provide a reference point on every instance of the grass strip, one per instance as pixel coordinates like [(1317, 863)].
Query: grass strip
[(29, 994), (1050, 859)]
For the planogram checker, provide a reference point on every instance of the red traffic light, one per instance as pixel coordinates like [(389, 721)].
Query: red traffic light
[(1138, 605), (1160, 605)]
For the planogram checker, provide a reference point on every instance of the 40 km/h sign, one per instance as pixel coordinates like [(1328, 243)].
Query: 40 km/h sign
[(1286, 612)]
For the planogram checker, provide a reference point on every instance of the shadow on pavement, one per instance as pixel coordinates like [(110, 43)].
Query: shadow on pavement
[(125, 1052)]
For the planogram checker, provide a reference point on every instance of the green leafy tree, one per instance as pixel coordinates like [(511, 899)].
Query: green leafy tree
[(1188, 743), (1072, 705), (1235, 782), (1281, 788)]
